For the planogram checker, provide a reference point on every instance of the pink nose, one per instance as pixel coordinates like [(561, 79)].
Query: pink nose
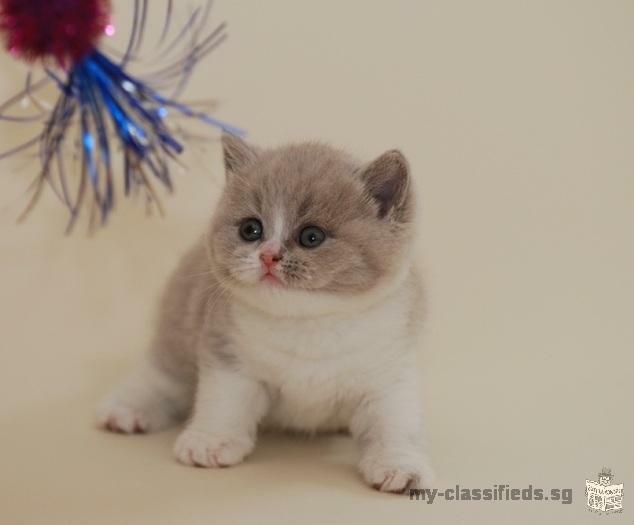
[(270, 258)]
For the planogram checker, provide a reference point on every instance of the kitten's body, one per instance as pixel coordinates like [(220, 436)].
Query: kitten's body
[(293, 356)]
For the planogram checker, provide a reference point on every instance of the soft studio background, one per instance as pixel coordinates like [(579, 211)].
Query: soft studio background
[(518, 119)]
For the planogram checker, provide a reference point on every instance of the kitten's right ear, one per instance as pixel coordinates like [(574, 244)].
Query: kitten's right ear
[(237, 153), (387, 181)]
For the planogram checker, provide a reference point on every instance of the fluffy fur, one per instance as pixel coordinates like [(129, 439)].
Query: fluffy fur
[(324, 342)]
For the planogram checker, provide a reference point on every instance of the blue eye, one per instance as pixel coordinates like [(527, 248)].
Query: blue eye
[(251, 230), (311, 237)]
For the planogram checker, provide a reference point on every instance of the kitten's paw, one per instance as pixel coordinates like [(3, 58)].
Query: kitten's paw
[(121, 418), (117, 416), (395, 476), (198, 449)]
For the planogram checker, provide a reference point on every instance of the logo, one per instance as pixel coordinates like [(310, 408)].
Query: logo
[(604, 497)]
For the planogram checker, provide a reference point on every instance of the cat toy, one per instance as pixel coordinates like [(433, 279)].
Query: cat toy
[(102, 112)]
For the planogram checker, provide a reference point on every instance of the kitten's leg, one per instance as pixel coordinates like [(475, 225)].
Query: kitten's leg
[(389, 429), (148, 400), (228, 408)]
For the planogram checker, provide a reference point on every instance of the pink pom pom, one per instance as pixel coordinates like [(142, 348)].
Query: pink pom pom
[(66, 30)]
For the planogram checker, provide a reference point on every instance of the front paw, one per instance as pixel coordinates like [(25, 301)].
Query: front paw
[(395, 474), (199, 449)]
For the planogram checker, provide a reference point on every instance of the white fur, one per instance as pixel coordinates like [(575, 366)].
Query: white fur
[(278, 225), (145, 401), (283, 302), (348, 369), (319, 368)]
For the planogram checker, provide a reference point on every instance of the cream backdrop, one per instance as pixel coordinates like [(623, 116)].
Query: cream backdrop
[(518, 119)]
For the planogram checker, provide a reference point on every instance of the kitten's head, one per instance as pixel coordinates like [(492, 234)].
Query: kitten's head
[(307, 223)]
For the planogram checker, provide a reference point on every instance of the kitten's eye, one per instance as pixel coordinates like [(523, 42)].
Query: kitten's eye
[(251, 230), (311, 237)]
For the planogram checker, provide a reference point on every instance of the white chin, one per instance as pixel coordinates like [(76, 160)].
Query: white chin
[(282, 301)]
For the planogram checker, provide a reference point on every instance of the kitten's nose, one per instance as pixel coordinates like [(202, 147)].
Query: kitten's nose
[(270, 257)]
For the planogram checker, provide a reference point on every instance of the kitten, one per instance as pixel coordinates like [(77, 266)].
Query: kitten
[(298, 310)]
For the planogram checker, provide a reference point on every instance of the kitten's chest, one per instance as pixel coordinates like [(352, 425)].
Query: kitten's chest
[(318, 369), (282, 350)]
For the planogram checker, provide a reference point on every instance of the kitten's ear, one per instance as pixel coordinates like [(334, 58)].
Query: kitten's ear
[(387, 181), (237, 153)]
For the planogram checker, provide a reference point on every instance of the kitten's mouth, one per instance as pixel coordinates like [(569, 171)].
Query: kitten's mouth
[(271, 278)]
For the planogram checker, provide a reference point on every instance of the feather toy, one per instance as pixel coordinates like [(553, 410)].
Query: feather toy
[(112, 120)]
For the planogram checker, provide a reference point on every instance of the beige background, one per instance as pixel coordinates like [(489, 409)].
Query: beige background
[(518, 119)]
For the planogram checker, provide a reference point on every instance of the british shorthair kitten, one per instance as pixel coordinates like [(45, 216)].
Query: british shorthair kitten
[(298, 310)]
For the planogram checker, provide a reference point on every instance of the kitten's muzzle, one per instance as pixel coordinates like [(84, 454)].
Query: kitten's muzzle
[(270, 257)]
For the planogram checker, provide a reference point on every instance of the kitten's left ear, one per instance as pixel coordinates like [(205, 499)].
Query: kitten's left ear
[(387, 181), (237, 153)]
